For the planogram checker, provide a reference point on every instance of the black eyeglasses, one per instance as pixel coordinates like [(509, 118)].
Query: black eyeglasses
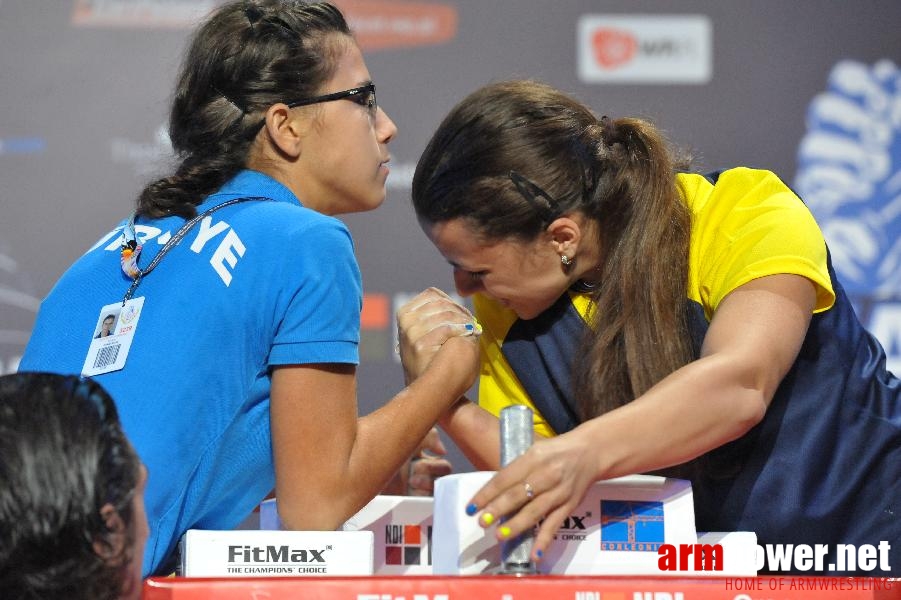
[(546, 206), (363, 95)]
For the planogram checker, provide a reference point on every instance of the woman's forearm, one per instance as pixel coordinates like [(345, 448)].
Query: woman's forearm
[(330, 463), (694, 410), (476, 433)]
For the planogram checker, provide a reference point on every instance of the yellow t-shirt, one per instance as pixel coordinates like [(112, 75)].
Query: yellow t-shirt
[(746, 224)]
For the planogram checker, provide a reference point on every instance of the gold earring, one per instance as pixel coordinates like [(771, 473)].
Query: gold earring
[(567, 261)]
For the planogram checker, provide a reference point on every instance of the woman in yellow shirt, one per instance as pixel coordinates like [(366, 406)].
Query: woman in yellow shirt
[(655, 320)]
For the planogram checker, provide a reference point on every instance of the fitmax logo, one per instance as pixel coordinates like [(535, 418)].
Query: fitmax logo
[(274, 554), (574, 528), (575, 522)]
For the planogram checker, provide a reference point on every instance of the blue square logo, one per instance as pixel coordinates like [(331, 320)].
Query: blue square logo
[(631, 526)]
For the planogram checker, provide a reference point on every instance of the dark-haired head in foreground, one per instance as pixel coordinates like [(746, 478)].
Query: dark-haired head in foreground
[(71, 492)]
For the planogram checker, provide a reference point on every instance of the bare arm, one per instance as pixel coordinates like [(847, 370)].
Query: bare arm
[(753, 340), (422, 325), (328, 462), (475, 432)]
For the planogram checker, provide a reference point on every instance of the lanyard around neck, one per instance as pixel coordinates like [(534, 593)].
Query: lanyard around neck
[(131, 250)]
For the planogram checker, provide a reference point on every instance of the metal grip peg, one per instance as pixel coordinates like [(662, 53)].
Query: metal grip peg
[(516, 438)]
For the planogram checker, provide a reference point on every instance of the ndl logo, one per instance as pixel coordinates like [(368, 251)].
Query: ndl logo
[(645, 49), (408, 544)]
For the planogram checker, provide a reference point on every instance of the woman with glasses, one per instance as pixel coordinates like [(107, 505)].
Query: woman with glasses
[(654, 319), (233, 357), (72, 515)]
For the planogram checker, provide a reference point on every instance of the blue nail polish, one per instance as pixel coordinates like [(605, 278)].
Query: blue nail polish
[(469, 327), (539, 554), (471, 509)]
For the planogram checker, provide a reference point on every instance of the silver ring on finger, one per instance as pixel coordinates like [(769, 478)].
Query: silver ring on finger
[(530, 491)]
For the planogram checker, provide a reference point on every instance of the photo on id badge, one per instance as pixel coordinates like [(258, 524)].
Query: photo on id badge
[(107, 324), (113, 333)]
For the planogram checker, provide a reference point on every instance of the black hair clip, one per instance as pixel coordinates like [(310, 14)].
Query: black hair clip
[(253, 13), (256, 15), (548, 210), (608, 131), (229, 100)]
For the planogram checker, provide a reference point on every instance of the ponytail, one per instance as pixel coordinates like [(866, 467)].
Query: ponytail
[(644, 228)]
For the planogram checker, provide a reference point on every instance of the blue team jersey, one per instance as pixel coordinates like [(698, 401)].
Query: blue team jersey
[(257, 284)]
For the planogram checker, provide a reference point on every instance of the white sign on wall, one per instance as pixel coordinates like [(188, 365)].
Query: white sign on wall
[(645, 49)]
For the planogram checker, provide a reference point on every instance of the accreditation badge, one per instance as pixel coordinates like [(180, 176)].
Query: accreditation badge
[(113, 335)]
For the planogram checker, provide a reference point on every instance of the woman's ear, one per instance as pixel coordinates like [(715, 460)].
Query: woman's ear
[(565, 235), (110, 545), (283, 129)]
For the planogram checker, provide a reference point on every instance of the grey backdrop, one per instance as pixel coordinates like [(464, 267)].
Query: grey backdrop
[(85, 86)]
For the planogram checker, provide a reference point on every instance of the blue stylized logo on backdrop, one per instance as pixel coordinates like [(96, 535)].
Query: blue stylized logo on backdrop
[(22, 145), (849, 174)]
